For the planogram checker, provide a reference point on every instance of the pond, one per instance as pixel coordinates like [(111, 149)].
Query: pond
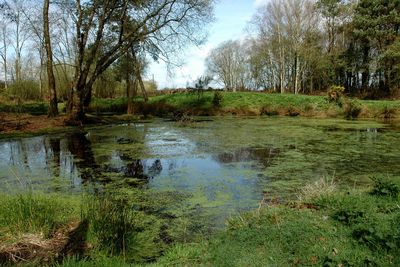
[(221, 166)]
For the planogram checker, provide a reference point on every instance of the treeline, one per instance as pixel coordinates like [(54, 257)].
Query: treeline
[(306, 46), (72, 50)]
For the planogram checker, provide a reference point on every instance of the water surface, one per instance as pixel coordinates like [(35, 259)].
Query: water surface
[(221, 166)]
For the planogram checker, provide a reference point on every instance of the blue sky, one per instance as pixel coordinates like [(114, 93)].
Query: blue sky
[(232, 17)]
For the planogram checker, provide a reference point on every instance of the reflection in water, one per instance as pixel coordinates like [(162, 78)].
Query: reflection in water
[(222, 173), (156, 168), (38, 163), (80, 147), (261, 155)]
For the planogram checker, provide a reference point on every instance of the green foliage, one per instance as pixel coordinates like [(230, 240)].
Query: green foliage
[(35, 212), (119, 228), (385, 187), (349, 229), (250, 103), (150, 86), (217, 99), (101, 105), (335, 94), (352, 108), (34, 108)]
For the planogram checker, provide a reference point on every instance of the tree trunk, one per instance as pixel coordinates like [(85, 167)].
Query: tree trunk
[(141, 84), (365, 69), (53, 110), (130, 109), (78, 105), (5, 58), (296, 75)]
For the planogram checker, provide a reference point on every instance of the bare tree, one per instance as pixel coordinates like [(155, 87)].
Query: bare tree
[(285, 26), (228, 63), (19, 32), (53, 110), (4, 45)]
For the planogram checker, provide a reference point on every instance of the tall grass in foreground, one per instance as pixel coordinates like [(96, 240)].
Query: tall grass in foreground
[(36, 212)]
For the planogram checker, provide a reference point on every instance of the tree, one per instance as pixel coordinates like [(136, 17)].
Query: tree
[(19, 32), (284, 28), (4, 42), (106, 30), (227, 63), (376, 25), (51, 81)]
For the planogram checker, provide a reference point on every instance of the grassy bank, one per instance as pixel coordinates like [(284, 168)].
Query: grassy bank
[(129, 225), (239, 103), (326, 227), (253, 103), (350, 228)]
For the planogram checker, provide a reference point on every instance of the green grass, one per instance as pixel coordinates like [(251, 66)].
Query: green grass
[(36, 212), (254, 103), (239, 103), (33, 108), (350, 228), (342, 228), (283, 104)]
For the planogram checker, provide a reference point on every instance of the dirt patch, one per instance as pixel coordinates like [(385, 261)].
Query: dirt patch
[(10, 123), (69, 240)]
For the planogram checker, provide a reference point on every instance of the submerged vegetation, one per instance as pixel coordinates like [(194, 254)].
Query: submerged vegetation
[(334, 227), (153, 194)]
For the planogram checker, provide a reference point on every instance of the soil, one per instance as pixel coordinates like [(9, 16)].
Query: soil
[(12, 123)]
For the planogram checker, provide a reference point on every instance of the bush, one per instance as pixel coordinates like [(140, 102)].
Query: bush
[(217, 99), (385, 187), (335, 94), (388, 113), (352, 109)]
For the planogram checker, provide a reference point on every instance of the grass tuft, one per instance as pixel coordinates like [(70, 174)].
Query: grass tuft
[(322, 187)]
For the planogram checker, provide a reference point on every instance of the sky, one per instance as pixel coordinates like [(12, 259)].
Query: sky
[(231, 19)]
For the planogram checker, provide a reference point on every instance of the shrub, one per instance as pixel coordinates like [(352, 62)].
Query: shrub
[(335, 94), (217, 99), (388, 113), (352, 109), (385, 187)]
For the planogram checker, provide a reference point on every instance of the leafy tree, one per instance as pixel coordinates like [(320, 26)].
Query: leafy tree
[(106, 30)]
